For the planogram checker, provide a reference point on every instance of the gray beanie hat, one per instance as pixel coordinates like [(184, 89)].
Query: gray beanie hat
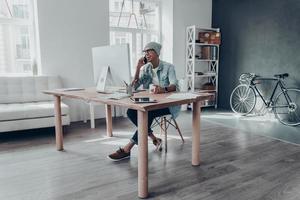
[(153, 45)]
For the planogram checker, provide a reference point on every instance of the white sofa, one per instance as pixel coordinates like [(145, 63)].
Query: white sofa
[(24, 106)]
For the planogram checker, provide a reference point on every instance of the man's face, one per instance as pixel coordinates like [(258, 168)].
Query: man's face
[(151, 55)]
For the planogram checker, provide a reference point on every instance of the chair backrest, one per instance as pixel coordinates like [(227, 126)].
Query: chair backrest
[(27, 88)]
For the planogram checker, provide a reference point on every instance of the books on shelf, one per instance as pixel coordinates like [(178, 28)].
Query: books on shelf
[(213, 53), (208, 53)]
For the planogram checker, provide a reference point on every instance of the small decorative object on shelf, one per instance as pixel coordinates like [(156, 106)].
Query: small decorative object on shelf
[(202, 61)]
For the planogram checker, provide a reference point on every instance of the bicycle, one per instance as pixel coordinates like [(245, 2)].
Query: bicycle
[(286, 105)]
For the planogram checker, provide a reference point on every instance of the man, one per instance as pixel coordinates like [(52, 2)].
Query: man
[(151, 70)]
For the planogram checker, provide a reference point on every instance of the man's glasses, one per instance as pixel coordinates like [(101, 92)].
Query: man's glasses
[(148, 51)]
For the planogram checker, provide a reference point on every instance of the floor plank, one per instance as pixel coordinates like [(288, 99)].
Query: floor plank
[(236, 164)]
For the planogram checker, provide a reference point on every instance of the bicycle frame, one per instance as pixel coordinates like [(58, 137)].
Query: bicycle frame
[(279, 84)]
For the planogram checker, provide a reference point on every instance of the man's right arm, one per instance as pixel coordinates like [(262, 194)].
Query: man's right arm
[(137, 71)]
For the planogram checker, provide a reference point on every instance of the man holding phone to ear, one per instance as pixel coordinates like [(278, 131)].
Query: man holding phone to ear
[(151, 70)]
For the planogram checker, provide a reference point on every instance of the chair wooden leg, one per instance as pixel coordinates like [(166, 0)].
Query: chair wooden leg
[(177, 127), (165, 131)]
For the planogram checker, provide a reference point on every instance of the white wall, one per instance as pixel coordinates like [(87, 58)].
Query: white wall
[(187, 12), (68, 30), (167, 30)]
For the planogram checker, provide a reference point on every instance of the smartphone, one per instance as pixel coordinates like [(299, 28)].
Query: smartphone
[(145, 60)]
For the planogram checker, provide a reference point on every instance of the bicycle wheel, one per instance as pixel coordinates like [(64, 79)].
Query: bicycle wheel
[(242, 99), (287, 107)]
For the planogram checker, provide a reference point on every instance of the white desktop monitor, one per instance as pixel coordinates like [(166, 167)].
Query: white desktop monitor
[(117, 57)]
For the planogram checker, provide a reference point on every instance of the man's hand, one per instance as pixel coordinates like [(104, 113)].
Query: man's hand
[(158, 90), (140, 63)]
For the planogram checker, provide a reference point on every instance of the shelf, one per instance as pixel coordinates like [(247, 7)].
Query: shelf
[(208, 105), (205, 104), (202, 55), (205, 75), (203, 44), (206, 44), (208, 29), (204, 60)]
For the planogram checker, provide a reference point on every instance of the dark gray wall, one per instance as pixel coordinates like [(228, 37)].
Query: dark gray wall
[(260, 36)]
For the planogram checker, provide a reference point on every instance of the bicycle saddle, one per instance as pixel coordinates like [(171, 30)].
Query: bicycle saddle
[(281, 75)]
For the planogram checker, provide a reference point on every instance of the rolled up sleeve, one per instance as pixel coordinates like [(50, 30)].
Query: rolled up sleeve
[(172, 77), (143, 77)]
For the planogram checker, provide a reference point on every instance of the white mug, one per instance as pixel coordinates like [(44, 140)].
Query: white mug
[(151, 88)]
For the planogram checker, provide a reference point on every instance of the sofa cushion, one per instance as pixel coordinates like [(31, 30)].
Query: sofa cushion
[(17, 111), (25, 124), (27, 88)]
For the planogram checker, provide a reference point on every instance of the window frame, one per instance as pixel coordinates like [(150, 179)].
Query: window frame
[(12, 24), (134, 32)]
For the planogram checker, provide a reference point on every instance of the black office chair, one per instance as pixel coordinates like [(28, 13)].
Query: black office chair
[(164, 122)]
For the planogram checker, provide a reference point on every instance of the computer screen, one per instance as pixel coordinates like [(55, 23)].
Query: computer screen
[(117, 57)]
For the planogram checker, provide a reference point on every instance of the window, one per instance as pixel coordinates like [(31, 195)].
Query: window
[(17, 44), (136, 22)]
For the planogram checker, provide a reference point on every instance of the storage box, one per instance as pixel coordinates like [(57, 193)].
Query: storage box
[(215, 38), (204, 37), (209, 37)]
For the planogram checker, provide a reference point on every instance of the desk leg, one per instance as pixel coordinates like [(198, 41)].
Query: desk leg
[(58, 123), (143, 154), (108, 120), (196, 134)]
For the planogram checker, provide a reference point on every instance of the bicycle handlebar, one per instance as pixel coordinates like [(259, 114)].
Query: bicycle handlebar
[(246, 78)]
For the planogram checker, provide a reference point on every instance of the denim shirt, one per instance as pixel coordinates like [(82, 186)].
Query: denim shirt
[(166, 76)]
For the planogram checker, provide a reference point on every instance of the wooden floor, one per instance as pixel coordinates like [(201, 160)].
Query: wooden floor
[(236, 165)]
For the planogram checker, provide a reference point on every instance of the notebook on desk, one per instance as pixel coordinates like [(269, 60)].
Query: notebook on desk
[(117, 96), (69, 89)]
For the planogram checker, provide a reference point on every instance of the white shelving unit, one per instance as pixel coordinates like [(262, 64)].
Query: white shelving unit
[(202, 62)]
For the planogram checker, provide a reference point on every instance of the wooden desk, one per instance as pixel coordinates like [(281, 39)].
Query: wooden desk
[(90, 94)]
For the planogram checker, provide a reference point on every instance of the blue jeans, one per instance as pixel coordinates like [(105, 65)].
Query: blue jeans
[(132, 115)]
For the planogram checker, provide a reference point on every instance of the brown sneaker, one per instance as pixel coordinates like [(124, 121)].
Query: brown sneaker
[(158, 143), (119, 155)]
